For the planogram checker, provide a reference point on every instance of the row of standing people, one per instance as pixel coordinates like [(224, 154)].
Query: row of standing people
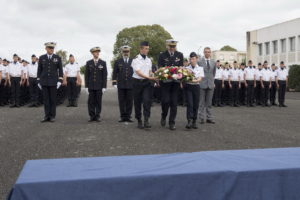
[(19, 86), (250, 85)]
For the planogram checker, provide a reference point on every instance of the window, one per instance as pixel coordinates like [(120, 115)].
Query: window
[(260, 49), (299, 43), (275, 46), (292, 43), (267, 45), (283, 45), (221, 57)]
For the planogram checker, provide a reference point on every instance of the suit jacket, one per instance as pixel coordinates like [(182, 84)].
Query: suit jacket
[(95, 75), (209, 73), (165, 59), (122, 74), (49, 71)]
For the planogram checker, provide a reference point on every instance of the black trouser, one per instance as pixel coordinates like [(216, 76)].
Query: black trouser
[(273, 93), (217, 92), (49, 96), (72, 89), (157, 94), (142, 96), (181, 97), (226, 93), (61, 94), (125, 97), (243, 93), (15, 90), (34, 90), (2, 92), (169, 100), (95, 103), (281, 92), (192, 95), (235, 92), (250, 92), (266, 92), (258, 93)]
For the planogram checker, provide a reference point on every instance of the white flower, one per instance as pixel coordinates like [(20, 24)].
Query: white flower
[(166, 71), (175, 76)]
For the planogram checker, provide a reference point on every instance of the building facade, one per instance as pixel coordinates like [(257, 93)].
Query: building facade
[(229, 56), (279, 42)]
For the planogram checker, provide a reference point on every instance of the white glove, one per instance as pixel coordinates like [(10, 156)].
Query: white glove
[(115, 86), (39, 85), (58, 85), (103, 90)]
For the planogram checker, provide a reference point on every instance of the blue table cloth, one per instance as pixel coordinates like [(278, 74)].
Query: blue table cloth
[(267, 174)]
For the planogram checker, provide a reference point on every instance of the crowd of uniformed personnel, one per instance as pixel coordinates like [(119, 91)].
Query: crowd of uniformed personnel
[(19, 84), (45, 81)]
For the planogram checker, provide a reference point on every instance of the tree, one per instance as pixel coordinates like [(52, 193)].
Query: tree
[(294, 77), (63, 54), (155, 34), (227, 48)]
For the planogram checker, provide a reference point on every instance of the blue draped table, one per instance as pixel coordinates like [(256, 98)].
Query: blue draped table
[(266, 174)]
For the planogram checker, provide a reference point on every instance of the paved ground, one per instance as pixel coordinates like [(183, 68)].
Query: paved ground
[(23, 137)]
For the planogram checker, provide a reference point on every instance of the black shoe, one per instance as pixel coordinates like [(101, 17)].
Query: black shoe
[(12, 105), (140, 124), (210, 121), (69, 104), (97, 119), (31, 105), (194, 125), (283, 105), (46, 119), (202, 121), (129, 120), (163, 122), (189, 124), (122, 120), (147, 124), (75, 104), (52, 119), (91, 119), (220, 105), (172, 127)]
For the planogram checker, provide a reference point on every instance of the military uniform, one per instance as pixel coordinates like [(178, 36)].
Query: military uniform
[(266, 80), (122, 77), (273, 87), (49, 77), (169, 89), (234, 75), (95, 81), (33, 83), (282, 77), (72, 70), (15, 73), (250, 78)]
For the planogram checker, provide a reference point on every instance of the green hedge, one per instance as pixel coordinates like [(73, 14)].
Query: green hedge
[(294, 77)]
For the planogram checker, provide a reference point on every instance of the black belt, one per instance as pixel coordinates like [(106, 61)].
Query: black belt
[(140, 80)]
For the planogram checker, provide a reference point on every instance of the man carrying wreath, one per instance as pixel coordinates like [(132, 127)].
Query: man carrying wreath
[(169, 88)]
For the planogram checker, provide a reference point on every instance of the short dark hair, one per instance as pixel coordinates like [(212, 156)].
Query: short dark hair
[(144, 43)]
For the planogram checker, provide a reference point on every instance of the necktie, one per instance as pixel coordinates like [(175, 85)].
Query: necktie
[(207, 63)]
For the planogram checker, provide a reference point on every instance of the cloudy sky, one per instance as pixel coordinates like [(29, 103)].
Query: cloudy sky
[(77, 26)]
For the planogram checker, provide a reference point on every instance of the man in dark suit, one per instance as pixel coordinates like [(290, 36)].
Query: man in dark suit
[(170, 88), (122, 79), (207, 86), (49, 77), (95, 81)]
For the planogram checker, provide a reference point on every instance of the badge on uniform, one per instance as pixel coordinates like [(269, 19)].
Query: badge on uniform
[(177, 59), (100, 67), (55, 60), (166, 59)]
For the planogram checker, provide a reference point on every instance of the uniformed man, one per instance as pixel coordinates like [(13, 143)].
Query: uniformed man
[(235, 84), (274, 86), (250, 77), (242, 93), (219, 84), (282, 83), (2, 82), (258, 90), (49, 77), (15, 74), (192, 92), (170, 88), (95, 81), (72, 74), (122, 80), (5, 84), (142, 75), (24, 85), (33, 83), (226, 89), (265, 84)]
